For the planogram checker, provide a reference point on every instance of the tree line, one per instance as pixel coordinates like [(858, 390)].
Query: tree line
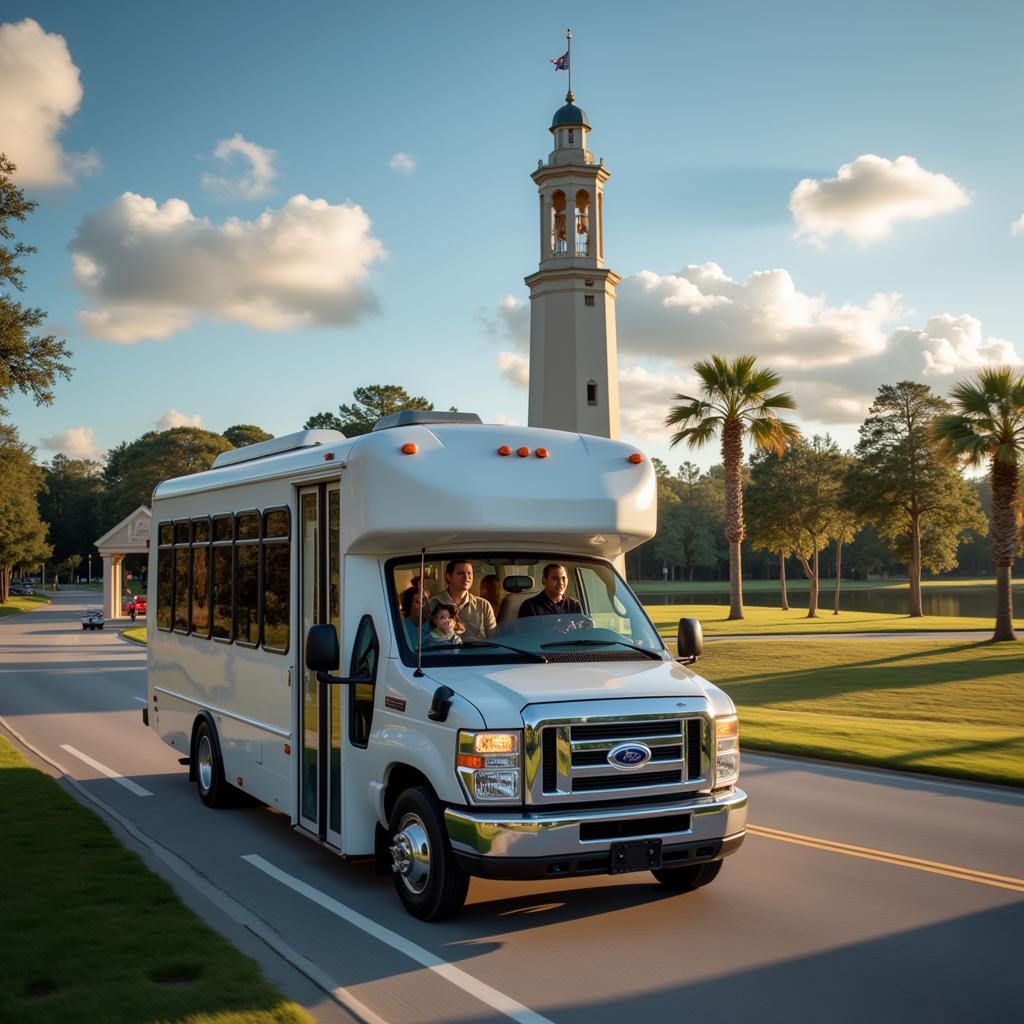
[(795, 497)]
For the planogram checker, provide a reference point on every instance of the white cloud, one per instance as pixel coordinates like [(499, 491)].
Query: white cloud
[(868, 196), (954, 344), (832, 358), (76, 443), (251, 183), (1017, 227), (701, 309), (502, 420), (39, 91), (173, 418), (514, 368), (403, 163), (149, 271)]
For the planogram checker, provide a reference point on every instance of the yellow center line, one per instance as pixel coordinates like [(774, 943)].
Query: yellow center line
[(896, 859)]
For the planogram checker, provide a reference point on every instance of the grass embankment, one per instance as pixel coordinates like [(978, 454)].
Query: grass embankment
[(136, 633), (15, 605), (928, 705), (90, 934), (801, 584), (714, 619)]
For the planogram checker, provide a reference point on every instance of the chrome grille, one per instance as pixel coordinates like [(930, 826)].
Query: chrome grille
[(567, 757)]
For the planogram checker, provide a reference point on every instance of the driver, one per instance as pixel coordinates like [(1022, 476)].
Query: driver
[(552, 599)]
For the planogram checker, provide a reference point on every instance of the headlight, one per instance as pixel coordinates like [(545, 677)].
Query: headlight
[(489, 765), (727, 750)]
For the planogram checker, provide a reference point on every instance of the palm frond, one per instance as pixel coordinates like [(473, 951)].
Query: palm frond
[(698, 435)]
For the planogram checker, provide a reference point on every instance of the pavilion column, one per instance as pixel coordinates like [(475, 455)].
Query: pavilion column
[(112, 586)]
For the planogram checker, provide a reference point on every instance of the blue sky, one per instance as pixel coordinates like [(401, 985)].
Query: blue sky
[(708, 115)]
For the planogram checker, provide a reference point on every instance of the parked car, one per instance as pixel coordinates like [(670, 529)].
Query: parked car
[(92, 619), (134, 605)]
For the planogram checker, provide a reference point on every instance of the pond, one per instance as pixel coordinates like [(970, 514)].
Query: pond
[(972, 602)]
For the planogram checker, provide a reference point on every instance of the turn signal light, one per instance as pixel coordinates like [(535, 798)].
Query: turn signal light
[(522, 452), (504, 450), (470, 761), (541, 453), (636, 458), (409, 448)]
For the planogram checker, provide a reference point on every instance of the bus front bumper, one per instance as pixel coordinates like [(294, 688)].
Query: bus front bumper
[(594, 841)]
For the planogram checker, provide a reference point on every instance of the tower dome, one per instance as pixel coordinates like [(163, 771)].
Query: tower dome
[(569, 115)]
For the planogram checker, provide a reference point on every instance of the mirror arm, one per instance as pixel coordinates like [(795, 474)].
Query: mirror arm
[(326, 677)]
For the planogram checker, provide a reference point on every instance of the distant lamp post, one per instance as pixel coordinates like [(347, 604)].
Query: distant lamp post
[(90, 568)]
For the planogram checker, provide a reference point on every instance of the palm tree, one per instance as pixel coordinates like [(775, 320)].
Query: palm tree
[(736, 402), (988, 425)]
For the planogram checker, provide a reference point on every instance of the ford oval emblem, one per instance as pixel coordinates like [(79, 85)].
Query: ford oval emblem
[(627, 756)]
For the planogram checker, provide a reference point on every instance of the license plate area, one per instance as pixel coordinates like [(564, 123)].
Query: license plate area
[(641, 855)]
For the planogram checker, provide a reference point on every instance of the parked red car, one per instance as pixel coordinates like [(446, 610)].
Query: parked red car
[(138, 603)]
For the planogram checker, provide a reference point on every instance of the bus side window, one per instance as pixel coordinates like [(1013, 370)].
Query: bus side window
[(365, 654)]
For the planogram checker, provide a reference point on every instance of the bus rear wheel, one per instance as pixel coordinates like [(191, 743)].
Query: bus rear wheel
[(210, 782), (428, 879), (688, 878)]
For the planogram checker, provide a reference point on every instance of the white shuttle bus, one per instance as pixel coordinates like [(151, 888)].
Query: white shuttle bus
[(546, 733)]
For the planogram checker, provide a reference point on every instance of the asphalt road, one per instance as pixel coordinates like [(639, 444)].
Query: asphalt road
[(858, 894)]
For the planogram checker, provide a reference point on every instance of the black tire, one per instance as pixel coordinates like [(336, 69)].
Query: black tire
[(435, 887), (688, 878), (210, 782)]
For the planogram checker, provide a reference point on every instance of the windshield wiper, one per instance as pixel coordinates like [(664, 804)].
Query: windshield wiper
[(485, 643), (603, 643)]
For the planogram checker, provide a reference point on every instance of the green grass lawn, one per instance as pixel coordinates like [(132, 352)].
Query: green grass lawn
[(15, 605), (800, 583), (931, 705), (136, 633), (714, 619), (90, 934)]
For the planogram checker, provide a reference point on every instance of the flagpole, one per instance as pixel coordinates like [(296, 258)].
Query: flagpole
[(568, 37)]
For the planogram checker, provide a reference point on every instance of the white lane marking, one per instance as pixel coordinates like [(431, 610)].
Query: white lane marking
[(218, 897), (109, 772), (473, 986), (141, 700)]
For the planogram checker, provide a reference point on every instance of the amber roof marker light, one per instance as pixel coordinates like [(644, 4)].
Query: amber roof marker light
[(522, 452), (409, 448), (504, 450), (636, 458), (542, 453)]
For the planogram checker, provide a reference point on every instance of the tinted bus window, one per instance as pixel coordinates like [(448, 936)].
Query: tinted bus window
[(181, 589), (248, 525), (276, 591), (275, 523), (247, 593), (164, 587), (223, 591), (201, 590)]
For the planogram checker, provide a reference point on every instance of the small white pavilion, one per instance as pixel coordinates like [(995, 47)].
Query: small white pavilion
[(129, 537)]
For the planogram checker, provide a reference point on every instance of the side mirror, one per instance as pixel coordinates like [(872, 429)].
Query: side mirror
[(689, 640), (322, 651)]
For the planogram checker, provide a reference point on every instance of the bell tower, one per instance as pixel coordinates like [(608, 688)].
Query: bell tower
[(573, 371)]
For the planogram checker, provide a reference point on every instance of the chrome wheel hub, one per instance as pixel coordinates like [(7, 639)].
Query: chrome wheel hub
[(204, 762), (410, 853)]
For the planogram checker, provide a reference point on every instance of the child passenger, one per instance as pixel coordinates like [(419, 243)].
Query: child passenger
[(444, 625)]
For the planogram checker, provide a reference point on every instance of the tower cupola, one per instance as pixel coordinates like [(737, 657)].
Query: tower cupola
[(569, 129)]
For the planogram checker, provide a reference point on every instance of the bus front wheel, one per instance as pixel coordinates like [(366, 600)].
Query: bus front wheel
[(213, 789), (428, 879)]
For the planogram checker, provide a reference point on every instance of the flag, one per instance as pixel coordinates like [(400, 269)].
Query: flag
[(562, 63)]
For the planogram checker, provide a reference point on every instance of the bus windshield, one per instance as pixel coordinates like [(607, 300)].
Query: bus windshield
[(517, 608)]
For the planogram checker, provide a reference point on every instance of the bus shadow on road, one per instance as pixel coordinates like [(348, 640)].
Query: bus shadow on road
[(962, 969)]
